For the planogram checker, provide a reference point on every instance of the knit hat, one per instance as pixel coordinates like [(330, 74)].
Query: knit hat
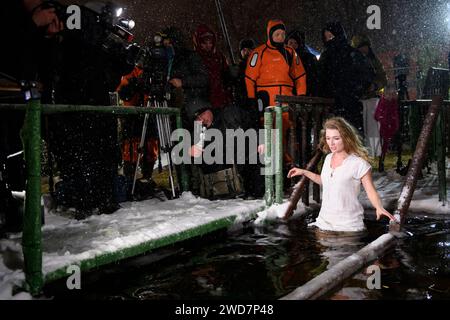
[(247, 43), (196, 107), (298, 36), (336, 29)]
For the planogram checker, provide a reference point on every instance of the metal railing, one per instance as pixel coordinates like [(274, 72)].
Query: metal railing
[(32, 235), (311, 111)]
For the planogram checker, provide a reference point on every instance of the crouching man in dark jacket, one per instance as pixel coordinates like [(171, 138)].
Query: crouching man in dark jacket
[(221, 137)]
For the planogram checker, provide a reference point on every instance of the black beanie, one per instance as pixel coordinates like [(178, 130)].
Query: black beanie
[(246, 43), (197, 106), (298, 36)]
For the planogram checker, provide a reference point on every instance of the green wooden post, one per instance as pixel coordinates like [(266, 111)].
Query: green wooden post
[(32, 235), (268, 125), (184, 177), (279, 155)]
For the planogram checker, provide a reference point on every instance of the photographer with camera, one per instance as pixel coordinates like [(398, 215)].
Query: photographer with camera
[(92, 61)]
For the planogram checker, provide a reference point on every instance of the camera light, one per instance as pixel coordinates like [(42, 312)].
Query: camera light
[(119, 12), (157, 39), (129, 24)]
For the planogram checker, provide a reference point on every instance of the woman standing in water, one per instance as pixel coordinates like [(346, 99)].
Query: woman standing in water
[(345, 168)]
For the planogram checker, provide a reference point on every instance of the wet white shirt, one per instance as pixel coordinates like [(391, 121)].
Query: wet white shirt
[(341, 209)]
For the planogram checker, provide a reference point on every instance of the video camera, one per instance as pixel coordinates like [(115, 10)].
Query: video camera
[(101, 26), (153, 59)]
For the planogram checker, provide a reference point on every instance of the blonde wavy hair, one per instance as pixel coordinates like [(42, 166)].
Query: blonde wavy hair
[(352, 140)]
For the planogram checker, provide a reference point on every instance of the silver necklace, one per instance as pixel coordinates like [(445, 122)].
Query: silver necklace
[(332, 169)]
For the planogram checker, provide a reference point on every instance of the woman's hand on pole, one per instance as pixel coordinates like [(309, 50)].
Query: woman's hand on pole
[(295, 172), (382, 212)]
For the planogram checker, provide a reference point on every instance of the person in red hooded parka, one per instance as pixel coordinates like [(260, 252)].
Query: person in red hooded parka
[(216, 63)]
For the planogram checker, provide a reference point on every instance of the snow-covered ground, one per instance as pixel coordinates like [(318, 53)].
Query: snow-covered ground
[(11, 274), (67, 241), (426, 195)]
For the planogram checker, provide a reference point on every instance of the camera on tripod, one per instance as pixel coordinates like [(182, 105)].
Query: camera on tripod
[(153, 60)]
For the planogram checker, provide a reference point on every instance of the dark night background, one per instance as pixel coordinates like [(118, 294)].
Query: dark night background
[(419, 29), (405, 23)]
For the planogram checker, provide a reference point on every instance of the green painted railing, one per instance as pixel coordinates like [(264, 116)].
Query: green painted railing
[(316, 107), (268, 124), (279, 155), (32, 235)]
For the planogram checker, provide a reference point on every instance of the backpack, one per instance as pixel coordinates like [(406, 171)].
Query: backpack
[(223, 184)]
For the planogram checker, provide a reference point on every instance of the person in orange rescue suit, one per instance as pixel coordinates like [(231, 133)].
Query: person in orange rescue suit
[(132, 127), (275, 69)]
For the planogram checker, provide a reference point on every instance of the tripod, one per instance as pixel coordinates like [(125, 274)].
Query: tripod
[(166, 145)]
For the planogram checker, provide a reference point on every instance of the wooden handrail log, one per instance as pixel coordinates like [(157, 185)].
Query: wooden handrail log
[(418, 158), (300, 186)]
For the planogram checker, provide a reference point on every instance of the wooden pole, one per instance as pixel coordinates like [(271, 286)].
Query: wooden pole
[(419, 155), (335, 276), (298, 189)]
